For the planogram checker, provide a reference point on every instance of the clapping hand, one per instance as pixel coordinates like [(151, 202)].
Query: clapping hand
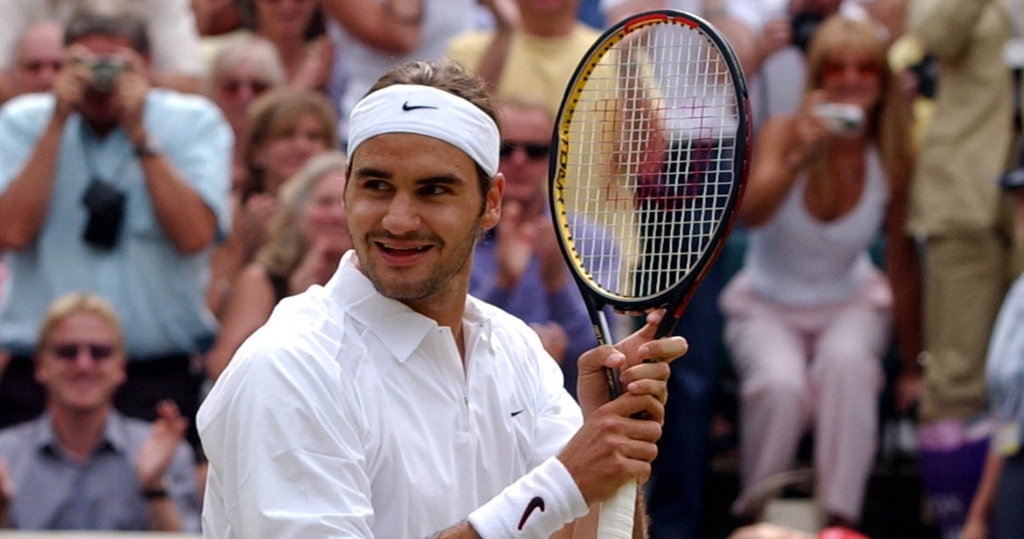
[(6, 493), (158, 450)]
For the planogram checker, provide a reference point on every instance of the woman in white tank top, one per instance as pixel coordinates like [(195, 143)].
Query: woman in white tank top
[(809, 317)]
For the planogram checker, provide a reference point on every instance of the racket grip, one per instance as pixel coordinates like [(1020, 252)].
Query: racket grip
[(616, 518)]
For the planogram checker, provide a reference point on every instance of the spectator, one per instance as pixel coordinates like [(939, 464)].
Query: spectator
[(532, 51), (999, 500), (307, 238), (38, 57), (296, 28), (241, 72), (111, 187), (518, 265), (778, 62), (216, 17), (375, 36), (82, 465), (169, 24), (675, 493), (808, 318), (285, 128), (391, 404), (970, 235)]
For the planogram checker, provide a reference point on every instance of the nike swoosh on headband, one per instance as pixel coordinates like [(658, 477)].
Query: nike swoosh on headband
[(406, 106)]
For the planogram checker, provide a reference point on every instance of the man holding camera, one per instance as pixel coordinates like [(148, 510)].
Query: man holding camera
[(110, 187)]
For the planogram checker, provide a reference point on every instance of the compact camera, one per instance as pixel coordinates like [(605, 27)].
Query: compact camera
[(105, 71), (842, 118), (106, 205)]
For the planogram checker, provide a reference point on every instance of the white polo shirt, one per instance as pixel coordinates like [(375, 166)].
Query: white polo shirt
[(350, 415)]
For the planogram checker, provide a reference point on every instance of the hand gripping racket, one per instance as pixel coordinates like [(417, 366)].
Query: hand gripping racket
[(649, 163)]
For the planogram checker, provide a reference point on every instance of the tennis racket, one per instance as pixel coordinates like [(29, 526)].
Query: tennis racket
[(649, 163)]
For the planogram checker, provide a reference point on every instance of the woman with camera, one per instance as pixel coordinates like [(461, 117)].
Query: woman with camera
[(809, 317)]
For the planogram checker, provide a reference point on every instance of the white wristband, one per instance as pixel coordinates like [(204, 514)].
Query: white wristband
[(534, 507)]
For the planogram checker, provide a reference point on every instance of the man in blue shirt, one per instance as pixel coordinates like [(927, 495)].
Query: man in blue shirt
[(518, 266), (110, 187), (81, 465)]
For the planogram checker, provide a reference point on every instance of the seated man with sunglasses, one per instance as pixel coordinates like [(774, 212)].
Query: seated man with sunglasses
[(518, 265), (82, 465)]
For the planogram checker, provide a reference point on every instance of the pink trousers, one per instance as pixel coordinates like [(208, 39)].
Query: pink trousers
[(809, 366)]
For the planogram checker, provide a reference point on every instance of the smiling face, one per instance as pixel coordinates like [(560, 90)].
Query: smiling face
[(415, 210), (525, 144), (851, 76), (285, 151), (322, 217), (847, 60), (81, 364)]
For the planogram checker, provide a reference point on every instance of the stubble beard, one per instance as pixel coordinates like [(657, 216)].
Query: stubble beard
[(451, 263)]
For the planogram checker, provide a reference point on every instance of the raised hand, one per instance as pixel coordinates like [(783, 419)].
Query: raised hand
[(158, 450), (554, 339), (618, 439), (514, 245)]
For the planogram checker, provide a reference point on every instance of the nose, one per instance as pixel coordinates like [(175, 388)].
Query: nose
[(402, 215)]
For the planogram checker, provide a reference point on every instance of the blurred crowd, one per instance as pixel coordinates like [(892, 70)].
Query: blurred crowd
[(172, 169)]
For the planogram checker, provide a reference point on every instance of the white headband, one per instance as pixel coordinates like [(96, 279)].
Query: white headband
[(424, 110)]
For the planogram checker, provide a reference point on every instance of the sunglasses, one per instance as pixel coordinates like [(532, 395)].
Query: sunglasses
[(833, 70), (36, 66), (70, 351), (234, 86), (534, 151)]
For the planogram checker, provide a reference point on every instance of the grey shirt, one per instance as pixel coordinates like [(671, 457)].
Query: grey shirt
[(52, 492)]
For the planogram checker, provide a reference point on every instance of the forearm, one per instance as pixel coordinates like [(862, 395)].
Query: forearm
[(492, 63), (392, 28), (24, 205), (189, 223), (984, 497), (162, 515)]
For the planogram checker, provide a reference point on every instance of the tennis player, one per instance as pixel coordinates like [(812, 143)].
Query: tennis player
[(391, 404)]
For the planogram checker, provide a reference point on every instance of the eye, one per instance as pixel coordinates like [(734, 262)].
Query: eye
[(435, 189), (374, 184)]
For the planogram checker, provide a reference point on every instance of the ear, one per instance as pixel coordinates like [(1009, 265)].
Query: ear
[(492, 202)]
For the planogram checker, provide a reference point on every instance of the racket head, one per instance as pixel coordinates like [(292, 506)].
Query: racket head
[(650, 149)]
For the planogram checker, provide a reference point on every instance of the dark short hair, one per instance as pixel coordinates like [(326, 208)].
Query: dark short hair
[(450, 76), (121, 25)]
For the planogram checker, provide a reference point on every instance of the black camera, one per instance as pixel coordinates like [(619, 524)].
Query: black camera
[(106, 205), (804, 24), (105, 71)]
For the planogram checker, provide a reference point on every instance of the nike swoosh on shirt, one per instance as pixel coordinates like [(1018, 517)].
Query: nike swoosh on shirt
[(536, 503), (407, 107), (517, 412)]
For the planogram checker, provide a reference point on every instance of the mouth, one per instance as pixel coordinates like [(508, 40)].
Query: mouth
[(402, 254)]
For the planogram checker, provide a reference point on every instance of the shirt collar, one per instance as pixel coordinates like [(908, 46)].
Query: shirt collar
[(114, 434), (399, 327)]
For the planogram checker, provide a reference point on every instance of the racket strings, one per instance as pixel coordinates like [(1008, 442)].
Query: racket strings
[(651, 149)]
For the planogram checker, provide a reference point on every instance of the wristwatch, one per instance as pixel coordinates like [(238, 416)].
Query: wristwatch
[(146, 148), (155, 494)]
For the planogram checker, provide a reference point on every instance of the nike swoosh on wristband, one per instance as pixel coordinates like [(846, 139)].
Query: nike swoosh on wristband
[(536, 503), (407, 107)]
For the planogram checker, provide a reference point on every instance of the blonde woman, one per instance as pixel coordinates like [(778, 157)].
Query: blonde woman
[(809, 317), (285, 128), (308, 236)]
